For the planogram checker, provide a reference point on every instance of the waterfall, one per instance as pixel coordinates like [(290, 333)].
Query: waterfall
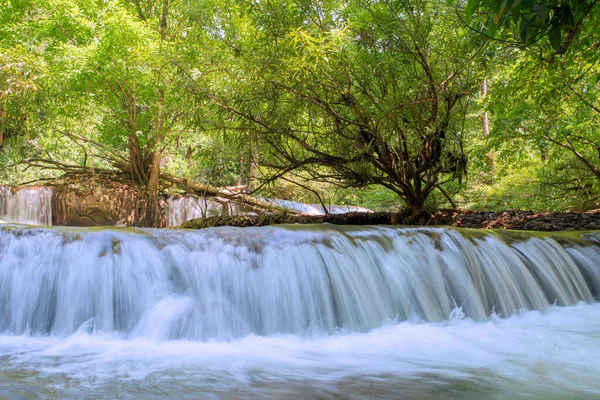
[(307, 209), (185, 208), (26, 206), (336, 209), (225, 283), (315, 209)]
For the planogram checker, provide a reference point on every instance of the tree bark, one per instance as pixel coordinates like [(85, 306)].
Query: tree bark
[(163, 19), (2, 121), (485, 121), (136, 161), (152, 213)]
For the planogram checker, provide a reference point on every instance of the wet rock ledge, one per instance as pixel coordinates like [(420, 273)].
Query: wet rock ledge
[(518, 220)]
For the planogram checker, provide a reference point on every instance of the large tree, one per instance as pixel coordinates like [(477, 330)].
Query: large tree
[(356, 93), (111, 97), (126, 74)]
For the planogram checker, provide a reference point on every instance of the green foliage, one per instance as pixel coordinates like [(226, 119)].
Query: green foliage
[(355, 93), (551, 110), (355, 101), (560, 21)]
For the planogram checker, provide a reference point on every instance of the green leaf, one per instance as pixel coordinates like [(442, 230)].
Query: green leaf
[(544, 12), (555, 37), (567, 17), (524, 30), (498, 16), (532, 31), (472, 5), (491, 30)]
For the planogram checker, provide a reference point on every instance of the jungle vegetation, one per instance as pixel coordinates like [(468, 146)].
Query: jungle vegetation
[(389, 104)]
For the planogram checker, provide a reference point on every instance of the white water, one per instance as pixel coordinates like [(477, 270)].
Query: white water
[(315, 209), (224, 283), (185, 208), (298, 312), (346, 209), (547, 355), (26, 206)]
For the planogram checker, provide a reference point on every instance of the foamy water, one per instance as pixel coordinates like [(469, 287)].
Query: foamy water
[(549, 354)]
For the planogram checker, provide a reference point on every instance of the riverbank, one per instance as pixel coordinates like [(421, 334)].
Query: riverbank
[(518, 220)]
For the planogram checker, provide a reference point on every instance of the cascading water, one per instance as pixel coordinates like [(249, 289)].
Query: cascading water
[(315, 209), (228, 283), (185, 208), (309, 311), (307, 209), (347, 209), (26, 205)]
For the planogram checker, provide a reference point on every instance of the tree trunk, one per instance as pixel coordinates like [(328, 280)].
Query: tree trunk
[(242, 179), (419, 215), (136, 161), (416, 213), (485, 121), (163, 19), (152, 215), (252, 169), (2, 121)]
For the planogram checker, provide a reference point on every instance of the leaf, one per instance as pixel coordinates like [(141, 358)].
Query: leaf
[(524, 30), (472, 5), (544, 12), (532, 32), (567, 17), (491, 30), (497, 16), (555, 36)]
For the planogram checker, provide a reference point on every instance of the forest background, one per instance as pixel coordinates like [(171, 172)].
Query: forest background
[(391, 104)]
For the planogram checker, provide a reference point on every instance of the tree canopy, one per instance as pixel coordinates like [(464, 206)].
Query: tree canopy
[(557, 22), (379, 103)]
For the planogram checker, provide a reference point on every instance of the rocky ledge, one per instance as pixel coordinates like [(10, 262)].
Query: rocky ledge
[(518, 220)]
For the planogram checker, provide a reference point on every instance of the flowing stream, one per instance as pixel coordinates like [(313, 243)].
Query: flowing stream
[(298, 312)]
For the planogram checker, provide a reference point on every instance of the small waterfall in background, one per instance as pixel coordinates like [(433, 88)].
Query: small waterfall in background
[(315, 209), (26, 205), (306, 209), (337, 209), (185, 208)]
